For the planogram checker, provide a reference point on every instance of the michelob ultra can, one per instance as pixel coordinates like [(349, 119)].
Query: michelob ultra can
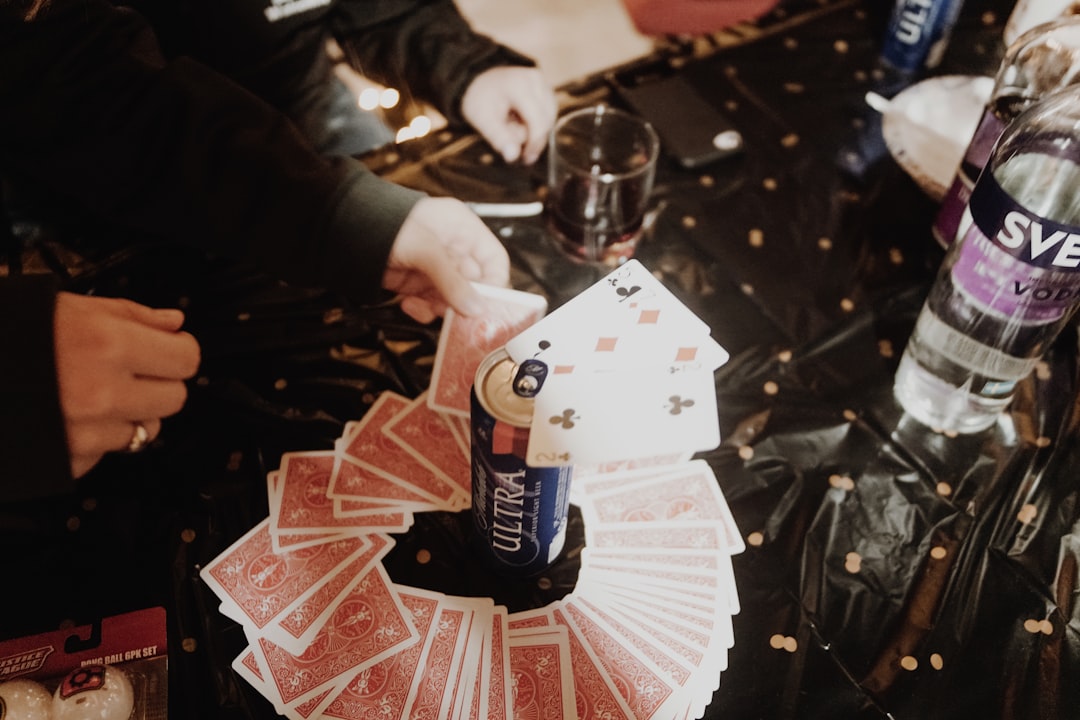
[(918, 33), (519, 511)]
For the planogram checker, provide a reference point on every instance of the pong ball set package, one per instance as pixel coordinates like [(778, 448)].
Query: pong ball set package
[(115, 670)]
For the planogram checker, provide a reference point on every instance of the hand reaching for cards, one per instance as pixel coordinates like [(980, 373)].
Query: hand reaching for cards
[(118, 364), (441, 248), (513, 108)]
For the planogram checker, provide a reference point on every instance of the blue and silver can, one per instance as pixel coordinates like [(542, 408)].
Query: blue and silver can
[(918, 34), (519, 511)]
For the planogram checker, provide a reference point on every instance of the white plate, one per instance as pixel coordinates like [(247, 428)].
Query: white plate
[(928, 125)]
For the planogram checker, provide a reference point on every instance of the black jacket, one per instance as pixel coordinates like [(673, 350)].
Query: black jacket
[(170, 136)]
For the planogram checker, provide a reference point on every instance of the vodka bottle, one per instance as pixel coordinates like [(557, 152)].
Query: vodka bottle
[(1044, 59), (1027, 14), (1009, 284)]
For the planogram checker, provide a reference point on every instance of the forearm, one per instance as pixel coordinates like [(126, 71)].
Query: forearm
[(176, 149), (424, 46)]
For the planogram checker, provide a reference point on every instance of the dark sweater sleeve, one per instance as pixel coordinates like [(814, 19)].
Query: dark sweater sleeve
[(92, 111), (34, 459), (426, 46)]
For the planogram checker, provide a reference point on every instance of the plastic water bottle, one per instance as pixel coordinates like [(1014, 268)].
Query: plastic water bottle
[(1044, 59), (1009, 284)]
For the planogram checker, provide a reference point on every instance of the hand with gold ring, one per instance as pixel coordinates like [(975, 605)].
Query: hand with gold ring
[(121, 368)]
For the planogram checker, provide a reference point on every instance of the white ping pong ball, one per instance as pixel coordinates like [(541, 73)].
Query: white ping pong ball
[(94, 692), (25, 700)]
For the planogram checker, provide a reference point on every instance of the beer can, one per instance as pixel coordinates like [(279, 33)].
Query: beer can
[(519, 511), (918, 33)]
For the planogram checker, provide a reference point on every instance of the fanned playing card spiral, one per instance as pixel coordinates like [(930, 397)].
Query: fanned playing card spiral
[(644, 634)]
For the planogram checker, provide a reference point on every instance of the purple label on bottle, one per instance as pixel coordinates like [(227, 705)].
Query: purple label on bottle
[(947, 222), (1015, 263)]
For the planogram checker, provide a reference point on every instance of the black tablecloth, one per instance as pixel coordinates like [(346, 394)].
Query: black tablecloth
[(809, 255)]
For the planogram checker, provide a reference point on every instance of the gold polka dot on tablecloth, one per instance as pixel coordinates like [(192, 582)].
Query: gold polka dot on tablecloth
[(938, 552), (1027, 513), (885, 348), (746, 452), (896, 257), (936, 661), (783, 642), (689, 221), (824, 243), (850, 415), (790, 140), (756, 237), (755, 539), (909, 663), (944, 489), (771, 388), (847, 304), (423, 556), (1034, 626), (841, 46), (841, 482), (770, 184), (189, 644), (1042, 441), (853, 562), (784, 356)]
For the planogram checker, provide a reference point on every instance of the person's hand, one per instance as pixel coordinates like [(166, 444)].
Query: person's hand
[(441, 248), (119, 364), (513, 108)]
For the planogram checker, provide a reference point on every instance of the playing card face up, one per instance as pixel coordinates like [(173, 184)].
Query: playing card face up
[(627, 320), (602, 417), (629, 375)]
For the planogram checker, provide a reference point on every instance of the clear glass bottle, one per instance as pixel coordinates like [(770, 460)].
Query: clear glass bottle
[(1009, 284), (1044, 59)]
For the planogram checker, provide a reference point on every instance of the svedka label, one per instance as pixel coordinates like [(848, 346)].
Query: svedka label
[(1014, 263)]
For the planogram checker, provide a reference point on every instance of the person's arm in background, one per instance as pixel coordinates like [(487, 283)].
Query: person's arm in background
[(692, 17), (173, 148), (428, 47)]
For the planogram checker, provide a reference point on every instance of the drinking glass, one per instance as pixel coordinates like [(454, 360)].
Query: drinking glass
[(601, 167)]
